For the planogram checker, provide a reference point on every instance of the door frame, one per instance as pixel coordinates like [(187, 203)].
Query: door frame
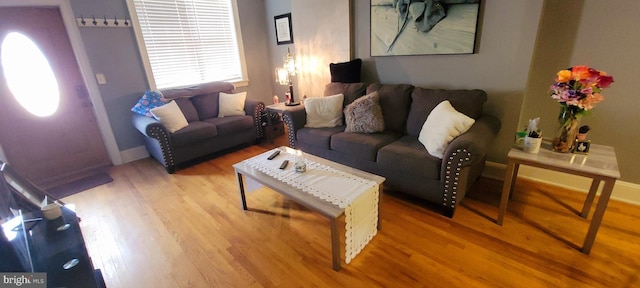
[(99, 111)]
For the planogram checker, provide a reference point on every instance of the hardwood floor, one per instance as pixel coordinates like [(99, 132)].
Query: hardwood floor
[(151, 229)]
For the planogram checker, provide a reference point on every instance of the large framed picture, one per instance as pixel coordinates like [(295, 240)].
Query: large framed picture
[(284, 34), (419, 27)]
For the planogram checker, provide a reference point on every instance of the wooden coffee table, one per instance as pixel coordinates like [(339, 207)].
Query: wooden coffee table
[(326, 209)]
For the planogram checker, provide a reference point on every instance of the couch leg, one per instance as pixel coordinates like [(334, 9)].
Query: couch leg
[(448, 211), (171, 169)]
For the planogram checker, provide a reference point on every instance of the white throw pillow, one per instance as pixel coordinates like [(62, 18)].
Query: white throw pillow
[(443, 124), (231, 104), (170, 116), (324, 111)]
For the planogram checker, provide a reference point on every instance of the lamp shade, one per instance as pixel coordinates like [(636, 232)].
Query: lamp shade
[(282, 76)]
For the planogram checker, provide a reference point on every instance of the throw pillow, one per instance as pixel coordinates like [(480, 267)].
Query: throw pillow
[(149, 100), (443, 124), (231, 104), (346, 72), (170, 116), (324, 111), (364, 115)]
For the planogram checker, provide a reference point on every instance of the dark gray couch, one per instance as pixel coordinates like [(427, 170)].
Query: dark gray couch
[(396, 153), (206, 133)]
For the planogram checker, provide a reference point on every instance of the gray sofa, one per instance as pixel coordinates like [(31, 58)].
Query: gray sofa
[(206, 134), (396, 153)]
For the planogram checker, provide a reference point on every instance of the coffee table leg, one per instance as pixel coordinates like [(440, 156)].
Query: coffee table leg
[(335, 244), (243, 199)]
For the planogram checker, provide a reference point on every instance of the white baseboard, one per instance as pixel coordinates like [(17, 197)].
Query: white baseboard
[(134, 154), (622, 191)]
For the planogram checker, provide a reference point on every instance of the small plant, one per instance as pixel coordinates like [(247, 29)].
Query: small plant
[(584, 129), (534, 134)]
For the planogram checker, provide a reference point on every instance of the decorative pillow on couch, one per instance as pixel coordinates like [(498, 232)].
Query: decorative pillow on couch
[(443, 124), (364, 115), (170, 116), (324, 111), (231, 104), (149, 100), (346, 72)]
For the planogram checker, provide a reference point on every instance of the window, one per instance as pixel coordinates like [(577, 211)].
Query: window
[(22, 62), (189, 42)]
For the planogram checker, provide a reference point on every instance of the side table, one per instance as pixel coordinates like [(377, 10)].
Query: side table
[(275, 125), (600, 164)]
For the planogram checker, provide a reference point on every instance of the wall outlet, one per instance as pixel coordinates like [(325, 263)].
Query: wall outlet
[(101, 79)]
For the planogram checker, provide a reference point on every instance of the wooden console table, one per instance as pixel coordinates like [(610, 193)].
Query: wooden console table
[(600, 165)]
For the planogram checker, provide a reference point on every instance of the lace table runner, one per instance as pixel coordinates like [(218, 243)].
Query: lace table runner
[(358, 196)]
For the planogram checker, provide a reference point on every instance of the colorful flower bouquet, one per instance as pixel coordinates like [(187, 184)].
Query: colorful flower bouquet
[(577, 89)]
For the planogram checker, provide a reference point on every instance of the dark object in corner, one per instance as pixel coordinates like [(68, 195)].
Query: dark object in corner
[(346, 72)]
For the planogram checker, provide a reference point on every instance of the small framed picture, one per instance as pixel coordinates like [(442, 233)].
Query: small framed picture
[(582, 146), (284, 33)]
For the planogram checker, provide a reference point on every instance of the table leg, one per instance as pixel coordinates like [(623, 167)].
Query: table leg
[(509, 180), (598, 215), (592, 195), (243, 199), (335, 244)]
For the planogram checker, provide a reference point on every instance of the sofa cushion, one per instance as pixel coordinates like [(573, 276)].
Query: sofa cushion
[(199, 89), (364, 115), (413, 156), (395, 101), (232, 124), (361, 146), (231, 104), (346, 72), (320, 137), (194, 132), (324, 111), (469, 102), (170, 116), (351, 91), (188, 110), (206, 105), (442, 126)]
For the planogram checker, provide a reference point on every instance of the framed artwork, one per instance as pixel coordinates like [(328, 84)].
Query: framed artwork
[(284, 34), (423, 27)]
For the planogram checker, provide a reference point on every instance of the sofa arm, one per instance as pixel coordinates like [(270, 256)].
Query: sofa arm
[(464, 158), (295, 118), (146, 124), (255, 108)]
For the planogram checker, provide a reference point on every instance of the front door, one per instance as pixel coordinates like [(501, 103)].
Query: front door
[(50, 149)]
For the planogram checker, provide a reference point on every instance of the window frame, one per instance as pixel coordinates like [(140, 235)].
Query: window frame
[(142, 48)]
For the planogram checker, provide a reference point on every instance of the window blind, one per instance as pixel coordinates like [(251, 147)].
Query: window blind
[(189, 41)]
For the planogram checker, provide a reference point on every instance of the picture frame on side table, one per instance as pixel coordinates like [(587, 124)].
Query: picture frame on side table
[(582, 146), (284, 31)]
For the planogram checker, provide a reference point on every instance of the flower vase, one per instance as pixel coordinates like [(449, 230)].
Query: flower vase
[(569, 121)]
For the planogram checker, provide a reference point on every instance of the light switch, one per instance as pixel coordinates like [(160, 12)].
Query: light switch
[(101, 79)]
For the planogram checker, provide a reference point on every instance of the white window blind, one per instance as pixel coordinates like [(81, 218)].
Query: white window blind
[(189, 41)]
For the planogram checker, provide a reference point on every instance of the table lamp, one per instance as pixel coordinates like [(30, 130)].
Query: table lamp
[(285, 74)]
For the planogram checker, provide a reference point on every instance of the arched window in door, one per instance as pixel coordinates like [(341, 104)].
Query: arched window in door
[(29, 75)]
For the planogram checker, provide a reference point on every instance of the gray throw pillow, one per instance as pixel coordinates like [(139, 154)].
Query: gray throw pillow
[(364, 115)]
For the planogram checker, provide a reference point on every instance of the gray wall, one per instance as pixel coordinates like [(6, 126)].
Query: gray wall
[(277, 52), (114, 53)]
